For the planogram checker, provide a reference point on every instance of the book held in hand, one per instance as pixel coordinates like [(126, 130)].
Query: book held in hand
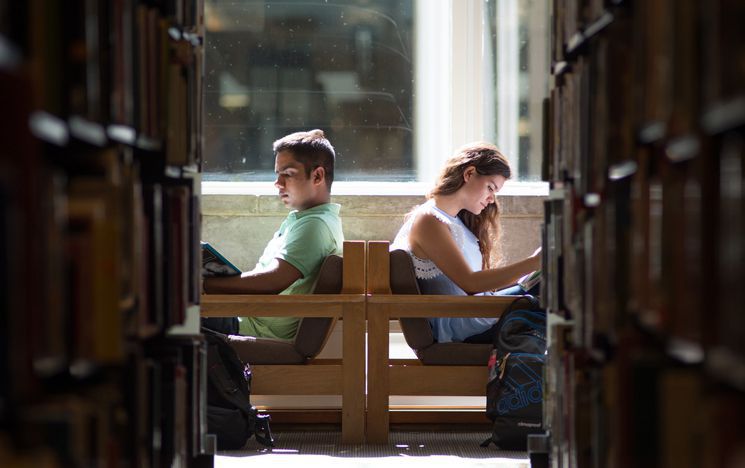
[(214, 264), (531, 279)]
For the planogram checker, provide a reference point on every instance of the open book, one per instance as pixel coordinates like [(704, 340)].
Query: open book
[(531, 279), (214, 264)]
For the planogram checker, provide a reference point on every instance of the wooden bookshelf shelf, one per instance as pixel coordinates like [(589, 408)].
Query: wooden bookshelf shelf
[(644, 243), (145, 143), (683, 148), (86, 131), (49, 128), (574, 44), (685, 351), (652, 133), (622, 170), (559, 68), (98, 262), (10, 56), (727, 367), (725, 116), (597, 26), (122, 134)]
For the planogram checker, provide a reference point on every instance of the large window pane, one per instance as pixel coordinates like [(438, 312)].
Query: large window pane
[(517, 61), (349, 68), (275, 67)]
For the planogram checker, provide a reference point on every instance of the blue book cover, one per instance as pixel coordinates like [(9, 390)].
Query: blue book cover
[(215, 264)]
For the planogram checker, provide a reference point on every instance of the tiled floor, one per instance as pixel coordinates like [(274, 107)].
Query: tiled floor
[(405, 450)]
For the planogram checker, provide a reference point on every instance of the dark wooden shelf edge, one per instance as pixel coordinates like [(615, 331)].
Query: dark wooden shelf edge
[(725, 116), (173, 172), (88, 132), (680, 349), (10, 55), (178, 33), (146, 143), (684, 350), (559, 68), (597, 26), (574, 44), (122, 134), (181, 172), (52, 129), (49, 128), (579, 39), (727, 367), (591, 200), (652, 132), (683, 148), (622, 170)]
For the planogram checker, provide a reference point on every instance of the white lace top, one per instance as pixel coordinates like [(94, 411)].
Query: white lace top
[(464, 238), (431, 280)]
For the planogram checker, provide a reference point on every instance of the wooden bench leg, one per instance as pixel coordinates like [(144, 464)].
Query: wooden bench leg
[(377, 380), (353, 378)]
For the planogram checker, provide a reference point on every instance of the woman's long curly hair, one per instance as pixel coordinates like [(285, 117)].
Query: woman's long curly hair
[(487, 160)]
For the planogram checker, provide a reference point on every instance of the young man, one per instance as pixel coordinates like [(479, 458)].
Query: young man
[(304, 164)]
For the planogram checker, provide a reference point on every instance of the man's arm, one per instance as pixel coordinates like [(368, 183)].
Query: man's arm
[(273, 280)]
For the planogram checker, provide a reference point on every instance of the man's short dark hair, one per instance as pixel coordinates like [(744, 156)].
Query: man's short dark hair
[(311, 149)]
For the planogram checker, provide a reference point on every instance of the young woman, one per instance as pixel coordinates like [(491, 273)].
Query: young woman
[(450, 237)]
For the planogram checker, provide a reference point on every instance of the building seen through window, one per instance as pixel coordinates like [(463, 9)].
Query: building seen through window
[(378, 76)]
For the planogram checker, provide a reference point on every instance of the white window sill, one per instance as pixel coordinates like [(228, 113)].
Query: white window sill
[(511, 188)]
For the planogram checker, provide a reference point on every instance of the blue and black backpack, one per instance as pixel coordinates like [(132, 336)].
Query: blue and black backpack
[(514, 392)]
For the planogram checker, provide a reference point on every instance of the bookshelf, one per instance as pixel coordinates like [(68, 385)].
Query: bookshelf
[(101, 360), (644, 234)]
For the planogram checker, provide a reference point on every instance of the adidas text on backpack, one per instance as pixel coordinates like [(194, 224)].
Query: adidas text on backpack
[(514, 392)]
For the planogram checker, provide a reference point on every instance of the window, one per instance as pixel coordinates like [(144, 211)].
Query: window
[(396, 84)]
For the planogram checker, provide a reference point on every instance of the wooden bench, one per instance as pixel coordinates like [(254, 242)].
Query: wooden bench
[(291, 367), (443, 369)]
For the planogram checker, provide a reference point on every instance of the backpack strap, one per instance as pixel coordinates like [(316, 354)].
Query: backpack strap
[(520, 302)]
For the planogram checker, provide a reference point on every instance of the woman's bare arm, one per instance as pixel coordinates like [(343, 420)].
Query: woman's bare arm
[(431, 239)]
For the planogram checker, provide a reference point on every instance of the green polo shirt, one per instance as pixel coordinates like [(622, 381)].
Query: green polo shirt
[(304, 240)]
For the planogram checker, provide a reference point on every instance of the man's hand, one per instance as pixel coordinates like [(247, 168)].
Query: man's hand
[(273, 280), (211, 269)]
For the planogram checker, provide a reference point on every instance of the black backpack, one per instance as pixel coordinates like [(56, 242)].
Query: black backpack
[(514, 393), (230, 415), (224, 325)]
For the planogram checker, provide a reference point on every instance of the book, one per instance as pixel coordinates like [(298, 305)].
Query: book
[(215, 264), (531, 279)]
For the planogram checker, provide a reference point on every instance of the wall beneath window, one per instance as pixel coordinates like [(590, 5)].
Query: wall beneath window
[(241, 225)]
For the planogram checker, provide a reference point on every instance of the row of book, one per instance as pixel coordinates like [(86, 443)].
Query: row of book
[(99, 230), (645, 234)]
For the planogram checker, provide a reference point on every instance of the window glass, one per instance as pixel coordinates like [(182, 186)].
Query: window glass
[(479, 69), (517, 63), (276, 67)]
